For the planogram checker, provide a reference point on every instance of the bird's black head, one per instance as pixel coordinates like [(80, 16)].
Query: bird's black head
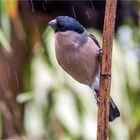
[(65, 23)]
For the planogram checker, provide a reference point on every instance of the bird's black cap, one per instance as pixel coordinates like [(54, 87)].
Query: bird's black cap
[(65, 23)]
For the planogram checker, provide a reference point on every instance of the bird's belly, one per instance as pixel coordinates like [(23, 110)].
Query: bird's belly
[(81, 65)]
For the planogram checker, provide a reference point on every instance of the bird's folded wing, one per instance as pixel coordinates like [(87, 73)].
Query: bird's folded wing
[(95, 40)]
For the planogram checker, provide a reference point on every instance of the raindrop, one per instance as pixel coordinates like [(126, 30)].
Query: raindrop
[(8, 70), (37, 31), (73, 10), (91, 4), (32, 6), (43, 6), (14, 111), (117, 17), (46, 1), (25, 46), (16, 79), (88, 15)]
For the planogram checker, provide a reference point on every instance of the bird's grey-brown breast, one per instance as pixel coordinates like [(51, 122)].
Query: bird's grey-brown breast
[(79, 59)]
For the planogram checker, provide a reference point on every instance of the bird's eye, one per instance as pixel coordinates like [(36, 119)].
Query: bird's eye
[(60, 27)]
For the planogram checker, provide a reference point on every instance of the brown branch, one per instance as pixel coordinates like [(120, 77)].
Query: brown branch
[(105, 70)]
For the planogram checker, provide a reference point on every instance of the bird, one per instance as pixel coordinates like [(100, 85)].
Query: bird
[(79, 54)]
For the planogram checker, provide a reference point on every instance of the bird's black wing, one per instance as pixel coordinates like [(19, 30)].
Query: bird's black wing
[(95, 40), (98, 44)]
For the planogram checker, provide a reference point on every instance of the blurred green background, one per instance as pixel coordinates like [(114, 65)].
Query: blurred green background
[(38, 100)]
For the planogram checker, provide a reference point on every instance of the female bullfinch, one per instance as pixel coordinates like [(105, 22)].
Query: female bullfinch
[(78, 53)]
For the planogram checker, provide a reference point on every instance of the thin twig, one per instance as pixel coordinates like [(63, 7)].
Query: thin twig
[(105, 69)]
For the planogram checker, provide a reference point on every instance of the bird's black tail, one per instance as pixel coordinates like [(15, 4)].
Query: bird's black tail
[(113, 111)]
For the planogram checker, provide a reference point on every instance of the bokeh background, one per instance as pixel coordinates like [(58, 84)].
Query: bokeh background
[(38, 100)]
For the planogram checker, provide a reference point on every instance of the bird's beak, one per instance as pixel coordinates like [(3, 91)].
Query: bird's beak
[(53, 24)]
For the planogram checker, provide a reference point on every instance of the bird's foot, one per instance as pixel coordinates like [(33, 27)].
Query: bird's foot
[(106, 74), (98, 99), (100, 53)]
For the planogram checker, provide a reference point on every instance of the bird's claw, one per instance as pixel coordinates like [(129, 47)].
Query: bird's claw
[(98, 99), (106, 75), (100, 53)]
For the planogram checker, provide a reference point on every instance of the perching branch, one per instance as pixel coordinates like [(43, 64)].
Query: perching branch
[(105, 70)]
